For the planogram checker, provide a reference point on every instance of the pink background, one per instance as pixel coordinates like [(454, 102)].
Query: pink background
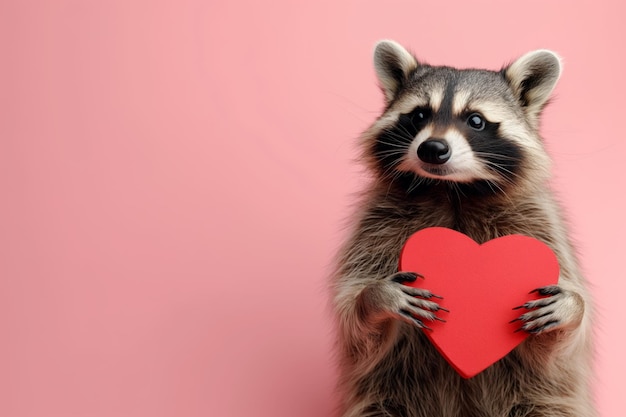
[(174, 177)]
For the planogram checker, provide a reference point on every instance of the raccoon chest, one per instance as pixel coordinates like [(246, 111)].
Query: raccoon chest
[(480, 222)]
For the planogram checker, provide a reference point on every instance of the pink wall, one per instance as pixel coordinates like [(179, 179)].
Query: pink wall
[(174, 177)]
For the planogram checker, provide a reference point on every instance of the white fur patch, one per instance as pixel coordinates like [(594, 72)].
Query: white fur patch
[(407, 105), (436, 97), (492, 111), (460, 101)]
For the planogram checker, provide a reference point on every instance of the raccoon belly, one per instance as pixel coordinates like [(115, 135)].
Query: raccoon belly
[(413, 380)]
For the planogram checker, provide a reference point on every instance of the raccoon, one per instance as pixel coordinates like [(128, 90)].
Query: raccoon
[(457, 148)]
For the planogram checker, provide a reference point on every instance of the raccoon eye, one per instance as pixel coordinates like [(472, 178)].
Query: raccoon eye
[(421, 114), (476, 121)]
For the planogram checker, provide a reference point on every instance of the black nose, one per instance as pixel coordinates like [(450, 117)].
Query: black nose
[(434, 151)]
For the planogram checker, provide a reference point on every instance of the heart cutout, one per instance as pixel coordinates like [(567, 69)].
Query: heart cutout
[(480, 284)]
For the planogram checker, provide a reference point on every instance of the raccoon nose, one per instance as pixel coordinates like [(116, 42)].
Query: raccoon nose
[(434, 151)]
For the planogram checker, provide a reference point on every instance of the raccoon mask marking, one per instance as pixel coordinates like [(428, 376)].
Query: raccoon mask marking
[(475, 130)]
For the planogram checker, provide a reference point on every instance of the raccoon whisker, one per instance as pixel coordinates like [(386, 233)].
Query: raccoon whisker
[(493, 184), (396, 147), (392, 180), (392, 175), (405, 139), (402, 140), (458, 191), (504, 180), (484, 155), (393, 152), (502, 169), (392, 144), (401, 135), (390, 172), (499, 168), (507, 181), (408, 134), (415, 183), (400, 151), (497, 155), (391, 130)]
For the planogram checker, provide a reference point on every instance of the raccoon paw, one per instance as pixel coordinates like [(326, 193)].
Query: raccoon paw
[(559, 309), (391, 298)]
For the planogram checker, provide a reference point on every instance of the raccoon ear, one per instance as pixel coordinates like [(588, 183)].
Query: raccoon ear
[(393, 66), (532, 78)]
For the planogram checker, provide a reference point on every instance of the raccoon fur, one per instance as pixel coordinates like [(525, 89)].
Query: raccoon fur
[(457, 148)]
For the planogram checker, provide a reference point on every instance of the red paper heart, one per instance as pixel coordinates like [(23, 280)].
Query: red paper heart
[(480, 285)]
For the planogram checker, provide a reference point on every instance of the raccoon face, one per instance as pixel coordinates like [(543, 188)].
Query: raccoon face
[(471, 127)]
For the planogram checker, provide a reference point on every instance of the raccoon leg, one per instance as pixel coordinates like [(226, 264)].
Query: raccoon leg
[(390, 298), (560, 309)]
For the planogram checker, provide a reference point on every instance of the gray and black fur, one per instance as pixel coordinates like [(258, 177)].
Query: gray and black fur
[(458, 149)]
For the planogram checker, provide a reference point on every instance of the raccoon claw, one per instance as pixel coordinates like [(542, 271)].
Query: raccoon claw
[(549, 325), (558, 309), (410, 304), (418, 292), (543, 302), (419, 323), (536, 330), (549, 290), (402, 277)]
